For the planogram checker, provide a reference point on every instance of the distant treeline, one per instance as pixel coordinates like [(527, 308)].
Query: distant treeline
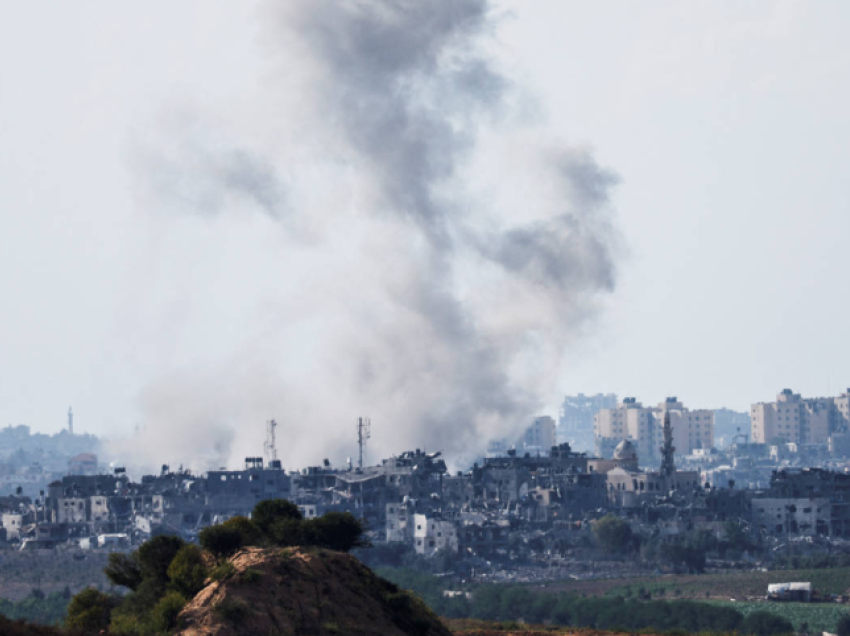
[(37, 608), (500, 602)]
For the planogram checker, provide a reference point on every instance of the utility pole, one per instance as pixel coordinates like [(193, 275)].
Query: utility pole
[(364, 432)]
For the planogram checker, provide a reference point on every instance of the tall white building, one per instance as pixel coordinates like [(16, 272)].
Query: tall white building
[(642, 426), (629, 420), (794, 419), (691, 429)]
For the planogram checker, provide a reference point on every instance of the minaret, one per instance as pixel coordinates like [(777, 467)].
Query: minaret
[(70, 421), (668, 466)]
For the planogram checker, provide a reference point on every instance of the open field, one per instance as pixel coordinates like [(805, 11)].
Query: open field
[(820, 617), (728, 585), (49, 571), (471, 627)]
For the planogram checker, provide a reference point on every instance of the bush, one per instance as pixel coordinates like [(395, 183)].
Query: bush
[(339, 531), (270, 511), (765, 624), (187, 572), (90, 610), (288, 532), (614, 534), (221, 540), (223, 571), (164, 615)]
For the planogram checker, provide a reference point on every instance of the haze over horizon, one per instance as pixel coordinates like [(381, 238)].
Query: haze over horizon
[(651, 213)]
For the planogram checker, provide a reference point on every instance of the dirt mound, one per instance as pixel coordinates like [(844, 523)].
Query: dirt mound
[(303, 591)]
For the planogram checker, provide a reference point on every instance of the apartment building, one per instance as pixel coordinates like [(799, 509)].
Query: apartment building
[(629, 420), (540, 436), (692, 430), (642, 426), (794, 419)]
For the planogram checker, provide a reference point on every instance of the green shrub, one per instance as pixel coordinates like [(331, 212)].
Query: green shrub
[(90, 610), (223, 571), (339, 531), (221, 540), (187, 572), (288, 532), (252, 576), (765, 624), (164, 615), (270, 511)]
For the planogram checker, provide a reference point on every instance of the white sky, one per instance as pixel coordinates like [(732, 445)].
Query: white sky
[(726, 121)]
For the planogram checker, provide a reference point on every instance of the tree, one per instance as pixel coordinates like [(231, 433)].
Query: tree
[(228, 537), (339, 531), (220, 540), (90, 611), (155, 555), (124, 570), (248, 530), (187, 572), (287, 532), (270, 511), (614, 534)]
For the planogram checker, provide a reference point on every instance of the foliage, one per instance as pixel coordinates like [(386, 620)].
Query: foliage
[(287, 532), (227, 538), (90, 610), (614, 534), (499, 602), (223, 571), (49, 610), (843, 627), (9, 627), (124, 570), (156, 554), (269, 511), (339, 531), (221, 540), (187, 571), (764, 624), (163, 618)]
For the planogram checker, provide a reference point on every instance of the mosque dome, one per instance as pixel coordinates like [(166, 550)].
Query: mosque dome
[(625, 451)]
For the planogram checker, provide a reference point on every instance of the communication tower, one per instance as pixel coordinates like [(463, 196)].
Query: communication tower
[(70, 421), (269, 446), (364, 432)]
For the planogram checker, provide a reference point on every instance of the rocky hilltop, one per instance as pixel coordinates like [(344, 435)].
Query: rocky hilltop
[(284, 591)]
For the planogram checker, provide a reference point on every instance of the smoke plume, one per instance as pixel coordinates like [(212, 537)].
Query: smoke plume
[(413, 250)]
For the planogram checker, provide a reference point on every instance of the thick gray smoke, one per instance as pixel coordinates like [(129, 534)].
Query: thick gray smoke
[(432, 258)]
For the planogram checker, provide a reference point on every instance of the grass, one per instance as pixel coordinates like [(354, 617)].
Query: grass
[(737, 585), (821, 617)]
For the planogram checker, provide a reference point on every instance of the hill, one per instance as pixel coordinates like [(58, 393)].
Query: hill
[(303, 591)]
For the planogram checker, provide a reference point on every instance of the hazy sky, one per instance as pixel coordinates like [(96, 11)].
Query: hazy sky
[(725, 122)]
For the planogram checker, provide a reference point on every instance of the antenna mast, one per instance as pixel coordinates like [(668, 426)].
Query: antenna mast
[(364, 432), (269, 446)]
